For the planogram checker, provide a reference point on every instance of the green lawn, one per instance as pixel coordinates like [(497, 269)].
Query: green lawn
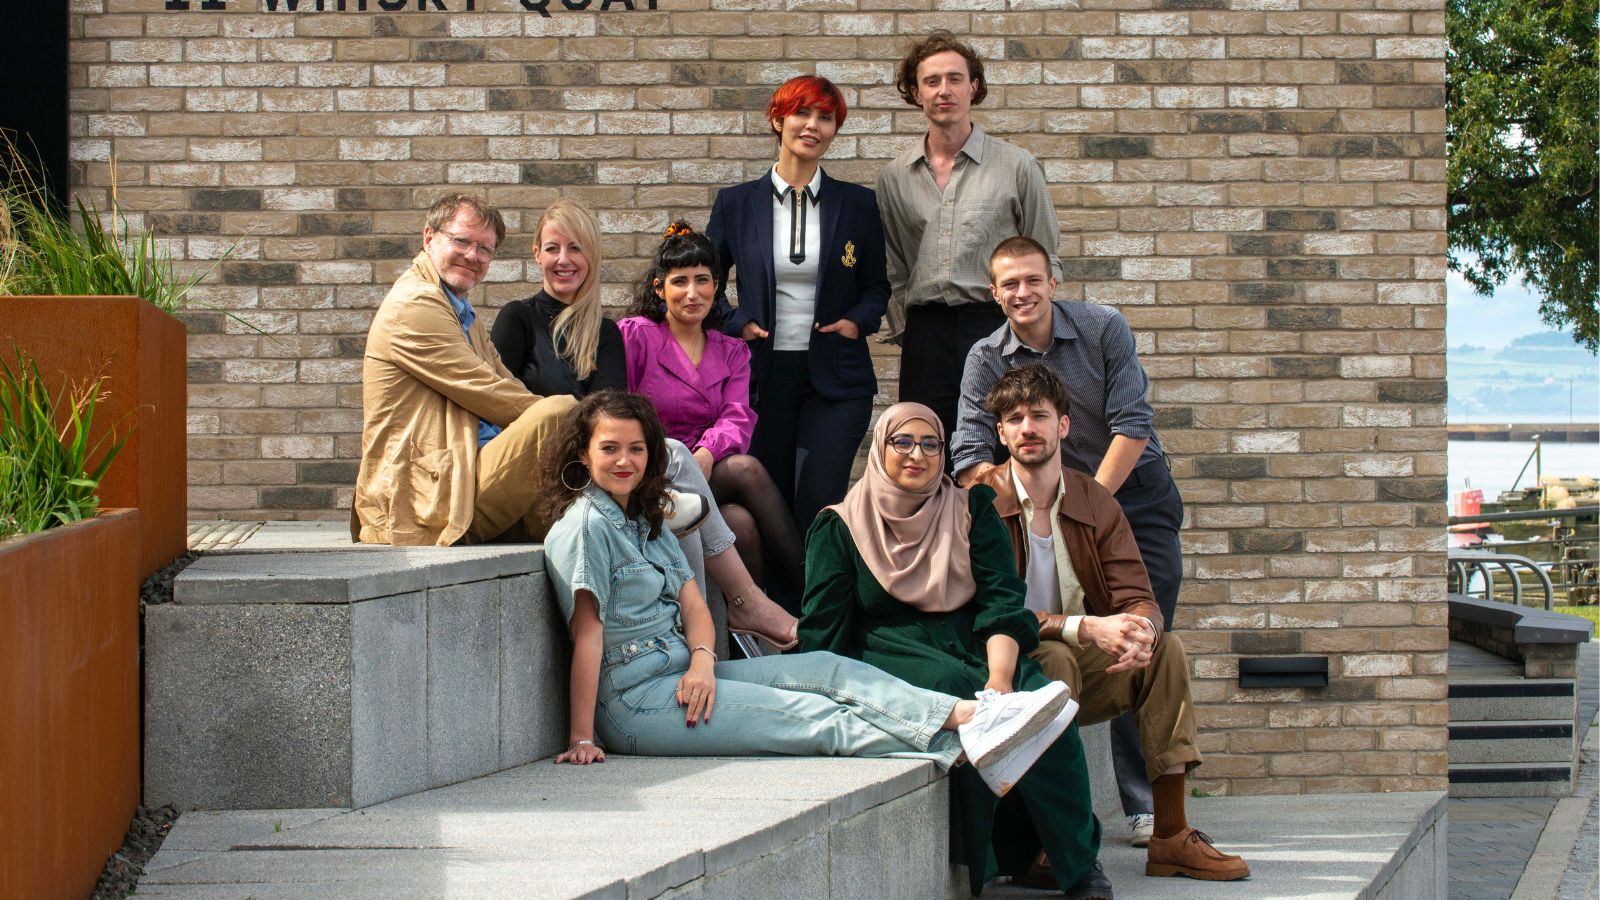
[(1592, 613)]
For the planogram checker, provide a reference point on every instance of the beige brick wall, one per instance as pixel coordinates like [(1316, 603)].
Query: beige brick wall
[(1257, 185)]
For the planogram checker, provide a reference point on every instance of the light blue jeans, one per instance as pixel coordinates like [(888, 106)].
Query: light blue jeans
[(714, 536), (801, 704)]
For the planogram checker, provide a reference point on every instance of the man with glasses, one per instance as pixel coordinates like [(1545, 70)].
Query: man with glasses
[(449, 437)]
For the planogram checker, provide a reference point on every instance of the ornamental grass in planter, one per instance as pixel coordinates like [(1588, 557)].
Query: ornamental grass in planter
[(50, 467), (93, 301)]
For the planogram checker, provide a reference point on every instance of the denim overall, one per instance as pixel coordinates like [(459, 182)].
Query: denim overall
[(807, 704)]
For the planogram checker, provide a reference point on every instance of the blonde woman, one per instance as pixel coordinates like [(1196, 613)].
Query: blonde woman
[(557, 341)]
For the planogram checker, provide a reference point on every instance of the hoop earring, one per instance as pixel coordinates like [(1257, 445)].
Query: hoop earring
[(587, 480)]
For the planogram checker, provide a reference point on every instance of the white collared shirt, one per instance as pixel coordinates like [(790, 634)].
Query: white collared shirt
[(796, 282)]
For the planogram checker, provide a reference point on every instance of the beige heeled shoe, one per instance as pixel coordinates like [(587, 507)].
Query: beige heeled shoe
[(737, 603)]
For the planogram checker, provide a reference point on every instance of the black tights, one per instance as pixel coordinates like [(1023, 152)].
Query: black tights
[(763, 530)]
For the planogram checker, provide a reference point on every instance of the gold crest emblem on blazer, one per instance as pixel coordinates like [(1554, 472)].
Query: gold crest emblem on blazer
[(849, 258)]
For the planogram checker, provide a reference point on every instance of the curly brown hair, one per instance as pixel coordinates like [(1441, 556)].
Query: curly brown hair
[(564, 455), (939, 42)]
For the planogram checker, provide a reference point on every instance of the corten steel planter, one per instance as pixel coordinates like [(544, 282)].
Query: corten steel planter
[(142, 352), (69, 703)]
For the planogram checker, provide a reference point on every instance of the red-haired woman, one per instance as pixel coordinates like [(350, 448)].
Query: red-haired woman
[(808, 258)]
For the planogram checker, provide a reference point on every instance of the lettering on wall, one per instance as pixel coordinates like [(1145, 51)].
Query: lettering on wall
[(542, 7)]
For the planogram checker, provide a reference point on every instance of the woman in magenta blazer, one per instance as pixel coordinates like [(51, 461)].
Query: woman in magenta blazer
[(699, 380)]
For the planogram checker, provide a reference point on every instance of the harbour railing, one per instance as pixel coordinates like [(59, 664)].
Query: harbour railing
[(1570, 575)]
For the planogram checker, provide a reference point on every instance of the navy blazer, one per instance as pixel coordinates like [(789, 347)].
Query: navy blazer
[(852, 282)]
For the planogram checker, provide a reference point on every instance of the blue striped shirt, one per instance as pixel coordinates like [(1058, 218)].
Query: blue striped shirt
[(1092, 352)]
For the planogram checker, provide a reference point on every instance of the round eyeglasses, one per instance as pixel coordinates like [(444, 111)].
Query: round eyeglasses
[(904, 444), (464, 246)]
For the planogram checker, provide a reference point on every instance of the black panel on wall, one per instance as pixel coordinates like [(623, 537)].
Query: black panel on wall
[(33, 106)]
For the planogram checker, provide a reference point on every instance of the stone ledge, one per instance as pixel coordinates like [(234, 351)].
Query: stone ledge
[(638, 827), (295, 671)]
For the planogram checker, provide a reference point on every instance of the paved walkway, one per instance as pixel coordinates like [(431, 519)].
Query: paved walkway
[(1493, 841)]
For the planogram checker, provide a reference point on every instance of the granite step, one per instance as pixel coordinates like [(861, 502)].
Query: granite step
[(740, 828), (1511, 779), (1495, 699), (1521, 740)]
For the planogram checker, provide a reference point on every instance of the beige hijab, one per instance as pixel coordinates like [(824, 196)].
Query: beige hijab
[(916, 543)]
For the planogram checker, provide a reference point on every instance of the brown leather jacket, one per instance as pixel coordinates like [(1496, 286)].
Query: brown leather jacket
[(1104, 554)]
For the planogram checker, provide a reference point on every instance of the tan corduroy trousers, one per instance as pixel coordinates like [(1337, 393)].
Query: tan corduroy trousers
[(1158, 694)]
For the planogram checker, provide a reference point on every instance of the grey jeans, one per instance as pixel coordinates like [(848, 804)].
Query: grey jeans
[(799, 704)]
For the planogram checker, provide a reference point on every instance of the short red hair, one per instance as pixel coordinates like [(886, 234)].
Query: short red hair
[(806, 92)]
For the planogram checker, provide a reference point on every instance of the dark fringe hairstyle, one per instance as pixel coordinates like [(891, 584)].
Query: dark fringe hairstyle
[(681, 248)]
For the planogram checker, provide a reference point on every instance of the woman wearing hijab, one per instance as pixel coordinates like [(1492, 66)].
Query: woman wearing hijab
[(916, 576)]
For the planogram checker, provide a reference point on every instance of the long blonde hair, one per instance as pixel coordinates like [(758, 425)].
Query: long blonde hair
[(576, 331)]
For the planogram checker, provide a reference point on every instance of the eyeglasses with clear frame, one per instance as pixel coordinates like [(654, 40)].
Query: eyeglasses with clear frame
[(464, 246), (903, 444)]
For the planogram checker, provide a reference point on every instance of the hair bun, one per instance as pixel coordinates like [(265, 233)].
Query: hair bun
[(677, 229)]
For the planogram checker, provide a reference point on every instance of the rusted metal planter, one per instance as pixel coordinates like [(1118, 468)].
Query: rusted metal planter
[(69, 702), (142, 353)]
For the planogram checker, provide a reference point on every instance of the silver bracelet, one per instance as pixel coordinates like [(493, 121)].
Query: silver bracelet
[(574, 744), (699, 647)]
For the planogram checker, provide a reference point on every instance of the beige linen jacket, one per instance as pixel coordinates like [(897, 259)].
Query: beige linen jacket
[(423, 391)]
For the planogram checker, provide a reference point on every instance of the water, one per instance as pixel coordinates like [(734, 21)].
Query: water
[(1490, 466)]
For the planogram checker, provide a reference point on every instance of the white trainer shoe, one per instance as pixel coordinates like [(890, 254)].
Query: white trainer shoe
[(1002, 721), (684, 512), (1002, 775), (1141, 827)]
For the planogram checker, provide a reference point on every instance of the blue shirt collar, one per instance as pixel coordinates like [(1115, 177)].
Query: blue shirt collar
[(463, 308), (1060, 330)]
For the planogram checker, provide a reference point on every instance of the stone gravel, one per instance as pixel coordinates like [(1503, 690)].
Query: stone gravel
[(121, 874)]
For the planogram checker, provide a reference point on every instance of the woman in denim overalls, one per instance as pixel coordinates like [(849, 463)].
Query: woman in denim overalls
[(641, 686)]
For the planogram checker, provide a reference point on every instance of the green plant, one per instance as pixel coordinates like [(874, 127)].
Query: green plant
[(46, 474), (42, 253)]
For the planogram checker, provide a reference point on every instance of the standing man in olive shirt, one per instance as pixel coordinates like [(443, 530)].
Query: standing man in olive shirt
[(945, 204)]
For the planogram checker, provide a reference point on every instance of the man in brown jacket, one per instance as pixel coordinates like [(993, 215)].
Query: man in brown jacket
[(449, 437), (1099, 626)]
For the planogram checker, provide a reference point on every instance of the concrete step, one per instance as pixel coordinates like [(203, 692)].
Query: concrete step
[(1533, 779), (1517, 741), (738, 828), (1498, 699)]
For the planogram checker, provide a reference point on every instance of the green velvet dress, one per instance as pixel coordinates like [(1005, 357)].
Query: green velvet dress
[(848, 612)]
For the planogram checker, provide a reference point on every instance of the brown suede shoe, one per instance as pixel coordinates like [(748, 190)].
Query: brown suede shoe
[(1190, 852), (1040, 877)]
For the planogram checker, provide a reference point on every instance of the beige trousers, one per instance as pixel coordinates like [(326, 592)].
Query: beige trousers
[(1158, 694), (503, 506)]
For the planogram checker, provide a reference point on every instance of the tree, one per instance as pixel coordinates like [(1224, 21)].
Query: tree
[(1522, 109)]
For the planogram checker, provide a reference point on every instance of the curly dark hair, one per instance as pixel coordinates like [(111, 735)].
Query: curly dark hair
[(938, 42), (564, 455), (681, 248)]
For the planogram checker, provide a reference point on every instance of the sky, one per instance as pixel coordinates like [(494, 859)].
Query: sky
[(1493, 321)]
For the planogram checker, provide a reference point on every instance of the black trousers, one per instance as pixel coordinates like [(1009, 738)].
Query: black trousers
[(807, 443), (933, 351), (1154, 508)]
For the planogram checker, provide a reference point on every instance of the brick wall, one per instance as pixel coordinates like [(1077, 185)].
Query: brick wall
[(1257, 185)]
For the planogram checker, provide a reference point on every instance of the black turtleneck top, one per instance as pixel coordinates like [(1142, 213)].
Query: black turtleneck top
[(522, 335)]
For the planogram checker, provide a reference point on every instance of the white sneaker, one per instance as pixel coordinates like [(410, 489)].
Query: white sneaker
[(1143, 828), (1002, 721), (1003, 774), (684, 512)]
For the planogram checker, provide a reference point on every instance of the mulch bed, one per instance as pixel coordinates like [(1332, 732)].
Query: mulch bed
[(150, 826)]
